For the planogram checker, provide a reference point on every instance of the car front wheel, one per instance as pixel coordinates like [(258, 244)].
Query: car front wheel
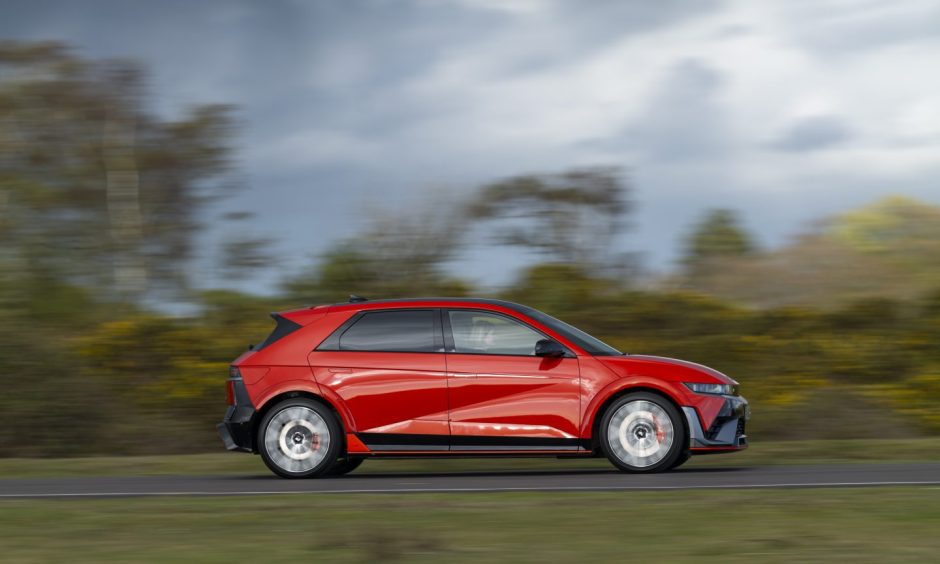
[(643, 432)]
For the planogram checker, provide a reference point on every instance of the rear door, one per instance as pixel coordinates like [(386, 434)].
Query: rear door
[(502, 396), (388, 368)]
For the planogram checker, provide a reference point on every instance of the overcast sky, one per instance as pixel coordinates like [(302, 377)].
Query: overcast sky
[(785, 111)]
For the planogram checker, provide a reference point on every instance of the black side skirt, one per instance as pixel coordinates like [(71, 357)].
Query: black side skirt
[(387, 442)]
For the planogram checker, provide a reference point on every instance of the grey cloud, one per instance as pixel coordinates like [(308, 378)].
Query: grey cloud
[(813, 133), (854, 28), (684, 119)]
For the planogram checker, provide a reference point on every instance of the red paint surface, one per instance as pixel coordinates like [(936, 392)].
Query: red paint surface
[(460, 394)]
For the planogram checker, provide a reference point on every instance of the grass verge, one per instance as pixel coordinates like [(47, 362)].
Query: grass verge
[(851, 524)]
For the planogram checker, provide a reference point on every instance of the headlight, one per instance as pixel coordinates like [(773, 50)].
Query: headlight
[(717, 389)]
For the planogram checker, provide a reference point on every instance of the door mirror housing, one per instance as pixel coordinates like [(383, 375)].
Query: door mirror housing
[(549, 348)]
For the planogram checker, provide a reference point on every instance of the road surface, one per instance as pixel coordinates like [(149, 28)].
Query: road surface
[(844, 475)]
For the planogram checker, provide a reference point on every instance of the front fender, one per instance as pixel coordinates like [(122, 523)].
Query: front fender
[(639, 383)]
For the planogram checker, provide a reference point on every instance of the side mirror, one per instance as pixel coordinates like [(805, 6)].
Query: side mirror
[(549, 348)]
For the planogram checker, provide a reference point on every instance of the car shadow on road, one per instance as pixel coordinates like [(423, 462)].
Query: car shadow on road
[(505, 473)]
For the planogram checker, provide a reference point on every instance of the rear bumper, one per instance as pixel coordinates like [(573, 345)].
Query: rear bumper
[(727, 432), (236, 430)]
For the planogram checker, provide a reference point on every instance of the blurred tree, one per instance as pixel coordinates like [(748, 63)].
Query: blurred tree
[(573, 217), (564, 290), (718, 235), (888, 249), (900, 232), (397, 255), (889, 223), (93, 188), (242, 253)]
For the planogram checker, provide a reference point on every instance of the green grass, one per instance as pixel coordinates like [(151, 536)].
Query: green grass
[(852, 525), (857, 524), (774, 453)]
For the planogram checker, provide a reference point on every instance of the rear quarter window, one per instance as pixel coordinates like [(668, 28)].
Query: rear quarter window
[(389, 331), (283, 328)]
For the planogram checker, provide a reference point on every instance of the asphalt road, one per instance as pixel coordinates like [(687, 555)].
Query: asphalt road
[(508, 481)]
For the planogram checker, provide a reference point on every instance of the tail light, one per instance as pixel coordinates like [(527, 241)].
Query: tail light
[(229, 392), (233, 376)]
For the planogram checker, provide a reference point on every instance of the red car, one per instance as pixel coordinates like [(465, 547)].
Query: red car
[(336, 384)]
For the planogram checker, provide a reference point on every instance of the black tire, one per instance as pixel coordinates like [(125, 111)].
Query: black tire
[(344, 466), (650, 435), (292, 434), (683, 458)]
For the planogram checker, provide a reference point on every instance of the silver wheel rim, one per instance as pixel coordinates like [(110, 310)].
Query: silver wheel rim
[(297, 439), (640, 433)]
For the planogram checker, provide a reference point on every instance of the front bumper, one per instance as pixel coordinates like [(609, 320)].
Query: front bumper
[(726, 433)]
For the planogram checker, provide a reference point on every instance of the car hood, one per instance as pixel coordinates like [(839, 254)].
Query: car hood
[(664, 367)]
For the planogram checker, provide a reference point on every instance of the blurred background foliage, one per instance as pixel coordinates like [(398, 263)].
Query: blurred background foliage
[(833, 335)]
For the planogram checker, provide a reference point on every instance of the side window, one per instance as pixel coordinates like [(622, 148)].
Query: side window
[(477, 332), (392, 331)]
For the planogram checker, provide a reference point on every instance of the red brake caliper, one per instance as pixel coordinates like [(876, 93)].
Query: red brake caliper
[(660, 434)]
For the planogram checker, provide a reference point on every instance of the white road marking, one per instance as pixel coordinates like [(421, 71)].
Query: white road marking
[(461, 490)]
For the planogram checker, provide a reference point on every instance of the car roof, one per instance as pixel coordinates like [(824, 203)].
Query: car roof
[(513, 309), (427, 302)]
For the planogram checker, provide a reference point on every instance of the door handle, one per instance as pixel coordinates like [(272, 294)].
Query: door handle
[(462, 375), (339, 370)]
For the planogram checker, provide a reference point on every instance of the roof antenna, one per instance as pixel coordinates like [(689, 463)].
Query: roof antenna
[(354, 299)]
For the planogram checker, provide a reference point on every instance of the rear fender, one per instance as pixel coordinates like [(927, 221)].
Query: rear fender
[(307, 387), (264, 397)]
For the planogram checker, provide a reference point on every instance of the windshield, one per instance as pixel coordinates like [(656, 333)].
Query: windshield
[(590, 344)]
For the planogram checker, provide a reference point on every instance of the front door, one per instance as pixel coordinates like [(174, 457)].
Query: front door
[(502, 396)]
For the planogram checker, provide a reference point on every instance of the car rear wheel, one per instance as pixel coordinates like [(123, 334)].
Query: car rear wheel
[(299, 438), (643, 432)]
